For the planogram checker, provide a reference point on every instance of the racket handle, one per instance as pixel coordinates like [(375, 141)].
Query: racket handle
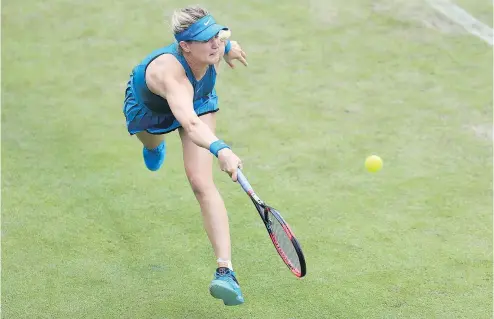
[(243, 181)]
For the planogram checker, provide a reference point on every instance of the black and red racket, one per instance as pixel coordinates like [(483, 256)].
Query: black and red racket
[(280, 233)]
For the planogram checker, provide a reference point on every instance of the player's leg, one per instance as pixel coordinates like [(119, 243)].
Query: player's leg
[(139, 118), (198, 164), (150, 141), (154, 149)]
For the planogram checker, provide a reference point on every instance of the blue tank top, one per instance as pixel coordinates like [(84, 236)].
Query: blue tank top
[(203, 89)]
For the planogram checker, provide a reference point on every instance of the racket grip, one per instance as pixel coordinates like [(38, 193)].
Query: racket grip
[(243, 181)]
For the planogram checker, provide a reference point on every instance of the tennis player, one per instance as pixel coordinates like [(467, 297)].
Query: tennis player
[(173, 88)]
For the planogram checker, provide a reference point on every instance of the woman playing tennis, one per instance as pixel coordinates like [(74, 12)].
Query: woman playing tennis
[(173, 88)]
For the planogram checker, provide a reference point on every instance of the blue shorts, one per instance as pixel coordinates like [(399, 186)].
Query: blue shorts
[(140, 118)]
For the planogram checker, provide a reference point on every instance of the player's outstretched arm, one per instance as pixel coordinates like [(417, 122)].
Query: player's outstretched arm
[(165, 76)]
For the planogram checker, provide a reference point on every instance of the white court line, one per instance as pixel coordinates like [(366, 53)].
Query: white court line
[(464, 19)]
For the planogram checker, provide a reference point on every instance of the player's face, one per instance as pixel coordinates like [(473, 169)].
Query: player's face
[(207, 52)]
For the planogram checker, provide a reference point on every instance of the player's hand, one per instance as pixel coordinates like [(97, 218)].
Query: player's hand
[(235, 53), (229, 162)]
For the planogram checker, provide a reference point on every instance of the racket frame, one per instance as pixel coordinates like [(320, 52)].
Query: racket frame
[(264, 210)]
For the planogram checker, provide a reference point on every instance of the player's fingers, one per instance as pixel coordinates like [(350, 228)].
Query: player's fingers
[(243, 54), (230, 63), (234, 175), (244, 62)]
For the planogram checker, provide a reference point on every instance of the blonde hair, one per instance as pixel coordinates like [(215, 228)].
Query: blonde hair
[(185, 17)]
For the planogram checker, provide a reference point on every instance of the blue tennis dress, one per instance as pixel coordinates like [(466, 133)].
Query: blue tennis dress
[(146, 111)]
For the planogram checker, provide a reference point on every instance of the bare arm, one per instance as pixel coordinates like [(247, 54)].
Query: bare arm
[(166, 77)]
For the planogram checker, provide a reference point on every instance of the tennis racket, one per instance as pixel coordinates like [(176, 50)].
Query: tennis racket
[(280, 233)]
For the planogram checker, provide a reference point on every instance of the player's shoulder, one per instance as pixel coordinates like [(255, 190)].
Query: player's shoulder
[(166, 66), (165, 63)]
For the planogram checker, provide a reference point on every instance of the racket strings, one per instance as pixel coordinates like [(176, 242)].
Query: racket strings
[(284, 242)]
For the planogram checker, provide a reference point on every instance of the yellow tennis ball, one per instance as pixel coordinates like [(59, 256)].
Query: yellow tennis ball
[(373, 163)]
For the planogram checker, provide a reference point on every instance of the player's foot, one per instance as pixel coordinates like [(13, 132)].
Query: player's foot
[(154, 158), (225, 287)]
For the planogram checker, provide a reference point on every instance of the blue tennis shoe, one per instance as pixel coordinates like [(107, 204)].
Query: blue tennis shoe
[(154, 158), (225, 287)]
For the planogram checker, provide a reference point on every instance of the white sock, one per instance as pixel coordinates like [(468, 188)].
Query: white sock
[(229, 263)]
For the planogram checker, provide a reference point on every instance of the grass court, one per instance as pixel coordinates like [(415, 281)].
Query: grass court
[(88, 232)]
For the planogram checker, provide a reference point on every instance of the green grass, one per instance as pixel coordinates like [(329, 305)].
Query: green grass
[(88, 232)]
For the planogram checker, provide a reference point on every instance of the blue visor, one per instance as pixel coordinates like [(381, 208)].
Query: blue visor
[(202, 30)]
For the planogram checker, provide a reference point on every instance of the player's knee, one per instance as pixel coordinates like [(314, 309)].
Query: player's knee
[(201, 186)]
